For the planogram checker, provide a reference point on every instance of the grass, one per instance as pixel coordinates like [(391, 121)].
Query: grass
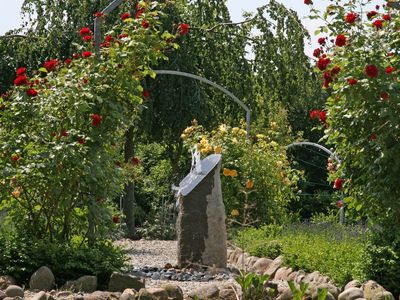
[(332, 249)]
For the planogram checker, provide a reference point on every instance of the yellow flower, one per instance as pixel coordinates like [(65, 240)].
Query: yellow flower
[(183, 136), (242, 132), (279, 164), (260, 136), (273, 125), (235, 141), (230, 173), (204, 142), (249, 184), (234, 213), (188, 130), (16, 193), (206, 149), (222, 128), (235, 130), (274, 144), (218, 149), (234, 173)]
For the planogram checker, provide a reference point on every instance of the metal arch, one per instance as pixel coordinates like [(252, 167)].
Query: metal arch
[(222, 89), (317, 146)]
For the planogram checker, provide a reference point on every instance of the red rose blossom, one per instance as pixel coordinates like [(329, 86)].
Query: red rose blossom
[(371, 71), (135, 161), (64, 133), (314, 114), (139, 13), (338, 183), (387, 17), (322, 116), (21, 80), (146, 94), (96, 119), (371, 14), (183, 29), (50, 65), (123, 35), (20, 71), (31, 92), (335, 70), (81, 140), (351, 17), (68, 61), (378, 24), (373, 137), (339, 203), (389, 70), (75, 55), (85, 31), (323, 63), (145, 24), (86, 54), (385, 96), (352, 81), (15, 157), (108, 38), (317, 52), (322, 41), (87, 38), (116, 219), (98, 14), (308, 2), (125, 16), (340, 40)]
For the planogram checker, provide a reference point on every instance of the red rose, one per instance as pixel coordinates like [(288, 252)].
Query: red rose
[(116, 219), (387, 17), (385, 96), (86, 54), (371, 71), (317, 52), (308, 2), (340, 40), (371, 14), (105, 44), (20, 71), (314, 114), (21, 80), (123, 35), (125, 16), (322, 116), (96, 119), (85, 80), (87, 38), (99, 14), (146, 94), (75, 55), (377, 6), (64, 133), (68, 61), (335, 70), (338, 183), (322, 41), (373, 137), (81, 140), (50, 65), (85, 31), (389, 70), (351, 17), (323, 63), (135, 161), (108, 38), (183, 29), (352, 81), (145, 24), (15, 157), (378, 24), (339, 203), (31, 92), (138, 13)]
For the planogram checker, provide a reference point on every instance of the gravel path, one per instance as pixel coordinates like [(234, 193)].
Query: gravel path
[(157, 254)]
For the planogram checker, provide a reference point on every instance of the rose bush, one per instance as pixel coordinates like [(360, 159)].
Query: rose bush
[(63, 129)]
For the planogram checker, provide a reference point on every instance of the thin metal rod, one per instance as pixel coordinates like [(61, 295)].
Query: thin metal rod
[(317, 146), (222, 89)]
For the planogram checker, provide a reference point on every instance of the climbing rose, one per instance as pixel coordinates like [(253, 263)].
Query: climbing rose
[(75, 55), (145, 24), (339, 203), (378, 24), (183, 29), (308, 2), (138, 13), (81, 140), (340, 40), (123, 35), (371, 14), (20, 71), (135, 161), (352, 81), (322, 116), (108, 38), (50, 65), (351, 17), (86, 54), (385, 96), (87, 38), (387, 17), (99, 14), (96, 119), (323, 63), (146, 94), (373, 137), (321, 41), (31, 92), (21, 80), (338, 183), (64, 133), (314, 114), (68, 61), (116, 219), (335, 70), (15, 157), (317, 52), (125, 16), (371, 71), (328, 79), (389, 70), (85, 31)]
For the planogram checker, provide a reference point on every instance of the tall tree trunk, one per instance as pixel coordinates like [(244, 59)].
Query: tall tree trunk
[(129, 197)]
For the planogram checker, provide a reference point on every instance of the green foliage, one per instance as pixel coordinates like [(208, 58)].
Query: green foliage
[(257, 180), (253, 285), (21, 255), (332, 249), (298, 293)]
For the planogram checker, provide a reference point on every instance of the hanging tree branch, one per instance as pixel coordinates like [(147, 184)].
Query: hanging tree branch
[(12, 36)]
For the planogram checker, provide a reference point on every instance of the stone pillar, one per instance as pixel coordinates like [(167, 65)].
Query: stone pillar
[(201, 228)]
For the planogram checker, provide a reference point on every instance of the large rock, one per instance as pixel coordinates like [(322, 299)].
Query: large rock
[(332, 289), (2, 295), (329, 296), (274, 266), (6, 280), (43, 279), (383, 296), (86, 284), (207, 292), (372, 288), (128, 294), (353, 283), (227, 293), (40, 296), (283, 273), (145, 295), (261, 265), (201, 229), (158, 293), (119, 282), (174, 291), (351, 294), (14, 291), (100, 295), (286, 294)]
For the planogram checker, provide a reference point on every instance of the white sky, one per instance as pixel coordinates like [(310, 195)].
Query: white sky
[(10, 13)]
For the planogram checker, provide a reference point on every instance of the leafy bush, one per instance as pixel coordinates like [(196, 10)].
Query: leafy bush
[(332, 249), (20, 256)]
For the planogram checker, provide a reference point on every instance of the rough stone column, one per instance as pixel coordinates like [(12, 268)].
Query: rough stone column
[(201, 226)]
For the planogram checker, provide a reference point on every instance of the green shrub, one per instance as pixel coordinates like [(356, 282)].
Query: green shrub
[(332, 249), (21, 255)]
